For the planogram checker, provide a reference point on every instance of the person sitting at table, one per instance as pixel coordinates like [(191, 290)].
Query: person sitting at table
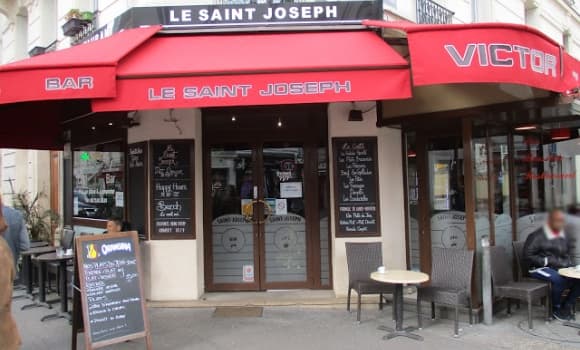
[(17, 233), (9, 336), (114, 224), (545, 252)]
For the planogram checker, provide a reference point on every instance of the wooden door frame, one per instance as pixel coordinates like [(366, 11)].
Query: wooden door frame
[(308, 138)]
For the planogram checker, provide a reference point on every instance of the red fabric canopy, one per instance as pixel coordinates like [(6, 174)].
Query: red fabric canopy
[(484, 53), (258, 69), (80, 72)]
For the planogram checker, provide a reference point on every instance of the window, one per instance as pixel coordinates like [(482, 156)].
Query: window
[(98, 181)]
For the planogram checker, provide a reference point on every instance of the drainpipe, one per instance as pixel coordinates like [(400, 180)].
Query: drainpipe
[(474, 12), (486, 283)]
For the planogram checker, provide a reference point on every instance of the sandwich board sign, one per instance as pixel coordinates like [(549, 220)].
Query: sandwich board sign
[(111, 291)]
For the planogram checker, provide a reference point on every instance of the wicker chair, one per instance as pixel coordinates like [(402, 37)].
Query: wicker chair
[(450, 283), (504, 285), (362, 259)]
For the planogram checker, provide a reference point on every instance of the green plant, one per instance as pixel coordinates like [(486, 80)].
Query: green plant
[(73, 13), (87, 16), (39, 221)]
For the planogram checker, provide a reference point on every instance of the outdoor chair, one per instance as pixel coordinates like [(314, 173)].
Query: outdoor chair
[(362, 259), (504, 285), (522, 274), (450, 283)]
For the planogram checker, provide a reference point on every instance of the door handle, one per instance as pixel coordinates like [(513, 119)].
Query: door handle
[(267, 211)]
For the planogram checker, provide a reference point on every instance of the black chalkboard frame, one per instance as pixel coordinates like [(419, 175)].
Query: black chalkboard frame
[(157, 235), (85, 311), (336, 141), (130, 199)]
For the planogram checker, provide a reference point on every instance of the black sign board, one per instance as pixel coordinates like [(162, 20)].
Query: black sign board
[(137, 161), (231, 14), (172, 194), (356, 189), (111, 290)]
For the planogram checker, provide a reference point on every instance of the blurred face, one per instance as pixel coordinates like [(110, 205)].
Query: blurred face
[(112, 226), (556, 221)]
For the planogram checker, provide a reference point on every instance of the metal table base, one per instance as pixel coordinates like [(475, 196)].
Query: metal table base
[(399, 331)]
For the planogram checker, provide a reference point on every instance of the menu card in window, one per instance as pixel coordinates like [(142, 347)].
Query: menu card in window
[(172, 181), (137, 161), (356, 186)]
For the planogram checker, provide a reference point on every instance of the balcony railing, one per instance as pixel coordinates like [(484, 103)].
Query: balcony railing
[(431, 12)]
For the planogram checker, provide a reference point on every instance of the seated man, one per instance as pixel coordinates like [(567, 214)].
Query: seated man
[(546, 250), (114, 224)]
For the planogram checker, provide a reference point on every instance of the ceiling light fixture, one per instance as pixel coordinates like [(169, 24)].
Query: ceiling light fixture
[(526, 127)]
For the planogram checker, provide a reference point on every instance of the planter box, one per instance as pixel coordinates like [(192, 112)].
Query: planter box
[(74, 26)]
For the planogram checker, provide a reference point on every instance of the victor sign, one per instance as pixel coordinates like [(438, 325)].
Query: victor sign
[(503, 55)]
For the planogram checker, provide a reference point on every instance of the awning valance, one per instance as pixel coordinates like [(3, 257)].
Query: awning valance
[(258, 69), (485, 53), (81, 72)]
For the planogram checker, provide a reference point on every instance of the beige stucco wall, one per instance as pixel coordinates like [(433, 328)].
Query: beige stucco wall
[(391, 190), (173, 269)]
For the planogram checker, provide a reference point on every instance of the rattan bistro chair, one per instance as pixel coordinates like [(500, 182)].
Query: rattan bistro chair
[(362, 259), (504, 285), (450, 283)]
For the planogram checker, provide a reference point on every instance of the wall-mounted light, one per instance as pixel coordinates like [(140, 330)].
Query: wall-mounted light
[(279, 124), (110, 124), (234, 118), (93, 127)]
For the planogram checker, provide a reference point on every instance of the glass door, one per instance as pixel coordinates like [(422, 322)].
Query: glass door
[(234, 233), (284, 230)]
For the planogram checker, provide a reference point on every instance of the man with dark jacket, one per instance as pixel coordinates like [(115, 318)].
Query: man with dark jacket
[(545, 252)]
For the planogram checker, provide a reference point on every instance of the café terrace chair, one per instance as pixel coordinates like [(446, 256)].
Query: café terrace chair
[(504, 285), (450, 283), (522, 274), (362, 259)]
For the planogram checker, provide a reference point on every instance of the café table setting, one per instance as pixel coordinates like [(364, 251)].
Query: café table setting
[(399, 278)]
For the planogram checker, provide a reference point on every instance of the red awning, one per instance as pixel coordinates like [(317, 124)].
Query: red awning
[(80, 72), (483, 53), (258, 69), (571, 74)]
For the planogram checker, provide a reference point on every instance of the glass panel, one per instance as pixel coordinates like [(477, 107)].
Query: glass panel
[(547, 176), (447, 193), (324, 210), (232, 235), (98, 182), (501, 196), (285, 228), (413, 203)]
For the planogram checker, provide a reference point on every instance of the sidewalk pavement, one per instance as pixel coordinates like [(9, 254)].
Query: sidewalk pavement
[(296, 327)]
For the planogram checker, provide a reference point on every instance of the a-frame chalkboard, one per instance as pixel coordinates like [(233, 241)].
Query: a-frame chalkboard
[(111, 290)]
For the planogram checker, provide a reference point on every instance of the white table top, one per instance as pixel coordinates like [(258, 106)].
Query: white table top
[(570, 272), (400, 277)]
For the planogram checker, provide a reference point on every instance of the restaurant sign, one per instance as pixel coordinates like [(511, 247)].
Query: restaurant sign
[(219, 13)]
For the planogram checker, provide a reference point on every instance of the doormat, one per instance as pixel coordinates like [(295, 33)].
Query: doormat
[(245, 311)]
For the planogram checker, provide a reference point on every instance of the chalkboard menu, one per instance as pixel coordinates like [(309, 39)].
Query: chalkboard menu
[(172, 181), (356, 187), (111, 291), (137, 161)]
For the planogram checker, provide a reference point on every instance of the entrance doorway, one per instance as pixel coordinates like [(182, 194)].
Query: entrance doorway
[(266, 199)]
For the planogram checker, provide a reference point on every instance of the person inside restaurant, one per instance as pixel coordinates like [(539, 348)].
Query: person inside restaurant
[(114, 224), (545, 252)]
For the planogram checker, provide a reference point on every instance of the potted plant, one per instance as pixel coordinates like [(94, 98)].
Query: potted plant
[(39, 221), (76, 21)]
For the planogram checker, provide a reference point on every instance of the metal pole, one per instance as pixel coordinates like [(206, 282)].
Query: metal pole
[(486, 283)]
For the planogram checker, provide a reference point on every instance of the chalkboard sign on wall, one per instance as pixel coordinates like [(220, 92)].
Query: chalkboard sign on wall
[(111, 290), (137, 161), (172, 194), (356, 189)]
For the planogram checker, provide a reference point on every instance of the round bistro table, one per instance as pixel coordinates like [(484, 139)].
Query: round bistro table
[(62, 274), (27, 263), (399, 278), (570, 272)]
